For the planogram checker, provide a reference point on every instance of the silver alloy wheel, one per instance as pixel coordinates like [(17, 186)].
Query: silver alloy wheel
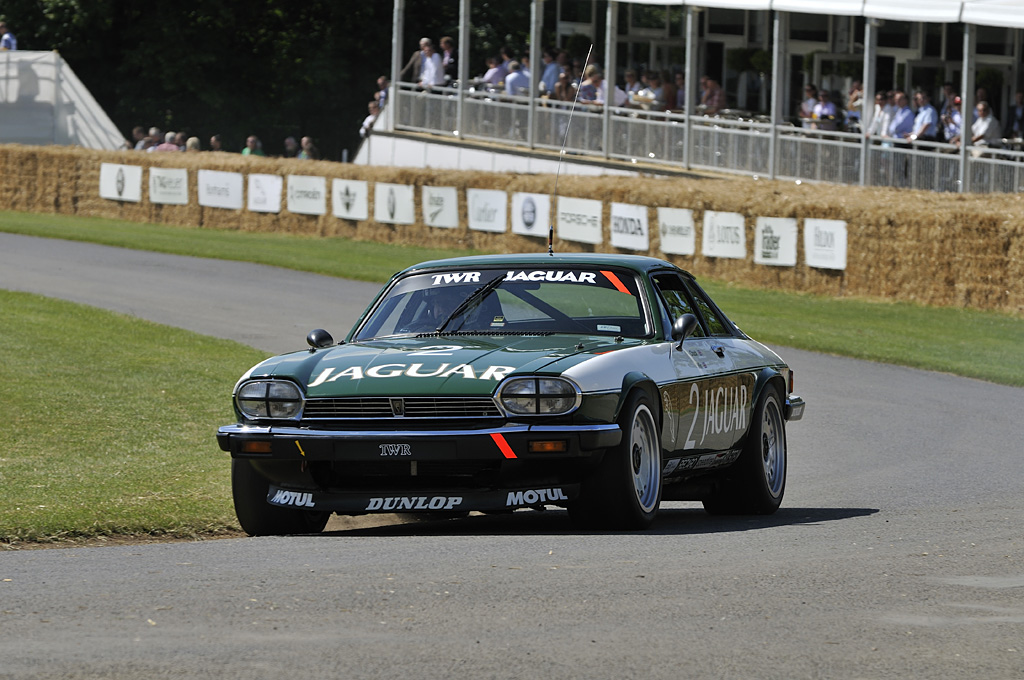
[(645, 459), (773, 446)]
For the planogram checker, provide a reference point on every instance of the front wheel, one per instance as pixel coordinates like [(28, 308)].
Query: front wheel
[(258, 517), (625, 491), (757, 481)]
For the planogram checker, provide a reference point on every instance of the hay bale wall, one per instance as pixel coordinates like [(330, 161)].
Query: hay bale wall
[(952, 250)]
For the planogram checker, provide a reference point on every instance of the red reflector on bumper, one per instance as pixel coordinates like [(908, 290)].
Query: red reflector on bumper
[(255, 447)]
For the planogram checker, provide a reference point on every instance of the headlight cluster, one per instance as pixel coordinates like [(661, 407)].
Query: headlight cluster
[(538, 396), (269, 399)]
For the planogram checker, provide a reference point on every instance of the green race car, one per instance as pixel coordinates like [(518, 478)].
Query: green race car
[(603, 384)]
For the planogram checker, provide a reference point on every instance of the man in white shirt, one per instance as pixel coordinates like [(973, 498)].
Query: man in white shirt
[(432, 71)]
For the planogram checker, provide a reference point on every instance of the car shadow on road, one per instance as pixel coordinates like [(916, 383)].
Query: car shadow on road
[(670, 522)]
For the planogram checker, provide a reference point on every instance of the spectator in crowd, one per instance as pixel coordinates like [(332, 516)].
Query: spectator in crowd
[(824, 114), (494, 75), (507, 56), (810, 100), (216, 143), (371, 118), (291, 147), (564, 90), (309, 151), (140, 140), (168, 143), (902, 123), (1015, 116), (656, 89), (714, 100), (381, 95), (680, 103), (156, 138), (590, 88), (881, 117), (524, 65), (7, 39), (986, 132), (633, 84), (432, 71), (516, 82), (926, 121), (854, 102), (668, 85), (947, 98), (253, 146), (181, 139), (549, 76), (192, 144), (412, 69), (449, 59), (952, 122)]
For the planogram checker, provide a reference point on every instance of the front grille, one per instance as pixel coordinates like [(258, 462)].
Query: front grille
[(361, 408)]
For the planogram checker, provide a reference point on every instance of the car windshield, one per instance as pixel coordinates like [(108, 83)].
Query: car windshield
[(578, 300)]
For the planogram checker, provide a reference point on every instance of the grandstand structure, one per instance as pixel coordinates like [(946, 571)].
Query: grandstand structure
[(762, 52)]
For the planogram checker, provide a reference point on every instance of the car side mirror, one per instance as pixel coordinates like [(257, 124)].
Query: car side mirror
[(318, 339), (683, 328)]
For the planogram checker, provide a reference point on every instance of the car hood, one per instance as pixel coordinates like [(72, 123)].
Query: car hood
[(433, 365)]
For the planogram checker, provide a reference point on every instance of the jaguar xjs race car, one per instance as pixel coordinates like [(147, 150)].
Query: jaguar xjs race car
[(603, 384)]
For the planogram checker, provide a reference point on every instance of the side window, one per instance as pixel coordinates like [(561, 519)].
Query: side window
[(673, 294), (716, 326)]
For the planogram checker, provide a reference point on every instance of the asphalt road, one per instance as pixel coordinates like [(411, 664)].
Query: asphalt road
[(898, 552)]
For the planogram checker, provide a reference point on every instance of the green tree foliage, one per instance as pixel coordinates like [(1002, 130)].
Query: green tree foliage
[(272, 68)]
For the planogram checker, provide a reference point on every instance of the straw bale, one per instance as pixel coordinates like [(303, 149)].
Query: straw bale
[(943, 249)]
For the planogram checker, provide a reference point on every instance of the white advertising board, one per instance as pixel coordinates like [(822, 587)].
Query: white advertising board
[(307, 194), (724, 235), (393, 203), (168, 186), (350, 199), (531, 214), (677, 232), (825, 243), (121, 182), (441, 207), (219, 189), (579, 219), (775, 241), (629, 227), (265, 193), (487, 209)]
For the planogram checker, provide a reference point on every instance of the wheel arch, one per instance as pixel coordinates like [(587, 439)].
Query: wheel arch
[(636, 380)]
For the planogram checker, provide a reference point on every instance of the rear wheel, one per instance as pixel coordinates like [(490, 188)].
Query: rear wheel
[(625, 491), (757, 481), (258, 517)]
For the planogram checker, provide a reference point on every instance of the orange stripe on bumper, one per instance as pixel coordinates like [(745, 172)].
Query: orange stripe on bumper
[(506, 450)]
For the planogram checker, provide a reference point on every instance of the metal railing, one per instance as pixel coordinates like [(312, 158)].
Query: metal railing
[(724, 143)]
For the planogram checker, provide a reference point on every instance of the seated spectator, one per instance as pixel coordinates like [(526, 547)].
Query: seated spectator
[(824, 115), (253, 146), (309, 151), (156, 138), (368, 122), (180, 139), (517, 83), (216, 143), (192, 144), (139, 139), (168, 143)]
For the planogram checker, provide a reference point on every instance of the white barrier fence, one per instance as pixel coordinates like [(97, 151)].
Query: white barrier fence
[(732, 144)]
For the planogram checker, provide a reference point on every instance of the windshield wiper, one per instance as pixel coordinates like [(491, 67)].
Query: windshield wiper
[(471, 299)]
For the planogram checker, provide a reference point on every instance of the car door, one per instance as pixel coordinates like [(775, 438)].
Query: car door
[(707, 407)]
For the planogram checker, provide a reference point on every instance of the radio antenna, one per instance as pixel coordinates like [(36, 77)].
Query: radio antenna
[(561, 152)]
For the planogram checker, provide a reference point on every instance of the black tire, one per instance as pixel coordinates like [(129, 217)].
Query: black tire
[(757, 481), (258, 517), (625, 490)]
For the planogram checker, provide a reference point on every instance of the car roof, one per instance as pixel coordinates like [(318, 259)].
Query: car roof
[(638, 263)]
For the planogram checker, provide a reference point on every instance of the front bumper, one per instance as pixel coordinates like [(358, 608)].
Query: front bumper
[(509, 442)]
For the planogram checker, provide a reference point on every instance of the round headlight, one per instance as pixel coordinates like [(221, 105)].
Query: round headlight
[(270, 399), (538, 396)]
